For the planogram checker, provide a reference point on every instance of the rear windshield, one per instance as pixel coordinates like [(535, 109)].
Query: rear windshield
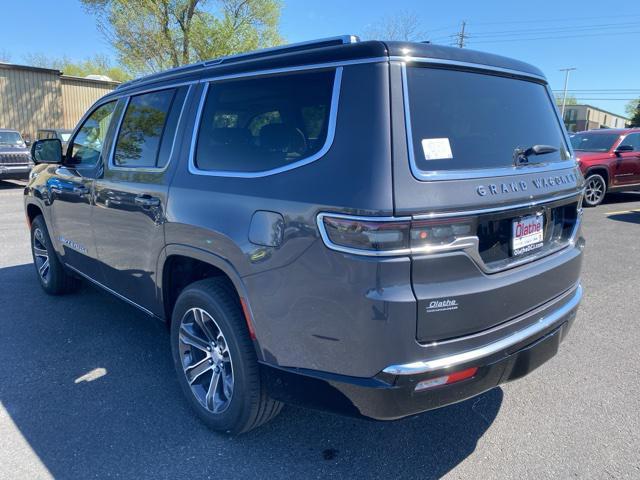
[(593, 142), (465, 121)]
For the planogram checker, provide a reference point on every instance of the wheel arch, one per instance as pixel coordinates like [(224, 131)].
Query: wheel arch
[(600, 170), (201, 264)]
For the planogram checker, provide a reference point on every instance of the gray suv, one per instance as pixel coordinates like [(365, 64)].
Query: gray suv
[(371, 228)]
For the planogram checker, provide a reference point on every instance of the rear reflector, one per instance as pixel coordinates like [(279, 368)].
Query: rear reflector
[(446, 379)]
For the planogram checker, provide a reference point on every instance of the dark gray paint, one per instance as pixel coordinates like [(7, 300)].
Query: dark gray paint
[(312, 307)]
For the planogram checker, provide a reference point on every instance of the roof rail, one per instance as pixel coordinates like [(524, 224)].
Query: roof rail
[(291, 47)]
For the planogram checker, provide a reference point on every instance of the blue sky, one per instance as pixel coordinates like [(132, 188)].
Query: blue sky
[(596, 39)]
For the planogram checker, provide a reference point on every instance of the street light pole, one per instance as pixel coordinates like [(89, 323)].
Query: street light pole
[(566, 83)]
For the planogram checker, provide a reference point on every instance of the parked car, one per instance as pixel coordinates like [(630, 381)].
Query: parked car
[(15, 159), (610, 161), (61, 134), (371, 228)]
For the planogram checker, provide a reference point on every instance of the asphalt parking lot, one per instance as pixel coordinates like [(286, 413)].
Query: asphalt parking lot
[(87, 390)]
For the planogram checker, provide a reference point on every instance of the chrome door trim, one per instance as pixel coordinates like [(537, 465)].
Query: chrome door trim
[(478, 354), (112, 292)]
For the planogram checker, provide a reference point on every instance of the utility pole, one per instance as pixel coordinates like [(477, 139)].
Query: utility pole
[(566, 82), (462, 36)]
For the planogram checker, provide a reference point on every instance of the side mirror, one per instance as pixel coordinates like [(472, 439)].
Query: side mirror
[(623, 148), (48, 150), (27, 143)]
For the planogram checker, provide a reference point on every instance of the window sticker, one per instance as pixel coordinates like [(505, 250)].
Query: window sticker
[(436, 149)]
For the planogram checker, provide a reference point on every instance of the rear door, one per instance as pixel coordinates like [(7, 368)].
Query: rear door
[(481, 219), (628, 163), (131, 193)]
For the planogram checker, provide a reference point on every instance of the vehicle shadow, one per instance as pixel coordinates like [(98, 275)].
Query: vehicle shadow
[(630, 217), (12, 184), (621, 197), (89, 383)]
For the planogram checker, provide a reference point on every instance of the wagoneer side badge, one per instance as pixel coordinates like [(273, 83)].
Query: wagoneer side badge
[(521, 186)]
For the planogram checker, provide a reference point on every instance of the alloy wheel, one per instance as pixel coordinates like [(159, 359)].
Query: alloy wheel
[(206, 361), (594, 190), (41, 255)]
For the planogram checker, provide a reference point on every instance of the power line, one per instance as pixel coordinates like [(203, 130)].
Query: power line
[(555, 20), (561, 29), (520, 39)]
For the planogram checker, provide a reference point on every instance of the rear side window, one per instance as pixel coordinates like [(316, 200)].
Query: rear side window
[(465, 121), (139, 138), (259, 124)]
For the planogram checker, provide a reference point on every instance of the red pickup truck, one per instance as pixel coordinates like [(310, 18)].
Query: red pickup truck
[(609, 160)]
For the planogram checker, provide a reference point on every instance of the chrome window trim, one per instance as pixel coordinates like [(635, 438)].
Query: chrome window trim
[(439, 175), (466, 245), (476, 354), (477, 66), (112, 164), (331, 128)]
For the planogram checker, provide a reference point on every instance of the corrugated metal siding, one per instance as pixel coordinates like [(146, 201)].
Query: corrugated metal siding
[(29, 100), (32, 98), (78, 95)]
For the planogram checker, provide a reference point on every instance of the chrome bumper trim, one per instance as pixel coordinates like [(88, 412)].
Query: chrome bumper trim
[(451, 361)]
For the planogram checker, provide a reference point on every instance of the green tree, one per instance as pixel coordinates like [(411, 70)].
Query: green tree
[(635, 115), (153, 35), (571, 100), (631, 107), (98, 65)]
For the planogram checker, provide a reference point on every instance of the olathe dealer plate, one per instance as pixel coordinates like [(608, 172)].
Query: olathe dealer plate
[(528, 234)]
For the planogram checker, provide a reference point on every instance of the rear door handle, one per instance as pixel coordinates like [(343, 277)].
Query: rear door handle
[(147, 201)]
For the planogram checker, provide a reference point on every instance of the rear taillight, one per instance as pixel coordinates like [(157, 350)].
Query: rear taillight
[(446, 379), (391, 236)]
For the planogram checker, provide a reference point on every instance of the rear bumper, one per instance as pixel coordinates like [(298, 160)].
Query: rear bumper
[(391, 394), (14, 171)]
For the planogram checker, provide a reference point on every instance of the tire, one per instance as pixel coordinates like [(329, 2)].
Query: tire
[(54, 278), (206, 310), (595, 190)]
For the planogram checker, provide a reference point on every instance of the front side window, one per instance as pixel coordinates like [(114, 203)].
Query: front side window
[(462, 120), (258, 124), (593, 142), (89, 142), (139, 138), (632, 139)]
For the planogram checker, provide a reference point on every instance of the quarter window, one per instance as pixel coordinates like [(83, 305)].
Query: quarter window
[(89, 142), (258, 124), (141, 130)]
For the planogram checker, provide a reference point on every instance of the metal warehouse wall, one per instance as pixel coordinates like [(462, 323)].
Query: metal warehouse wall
[(78, 94), (29, 98), (33, 98)]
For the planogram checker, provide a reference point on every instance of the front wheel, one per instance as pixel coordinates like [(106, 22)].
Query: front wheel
[(54, 278), (216, 361), (595, 190)]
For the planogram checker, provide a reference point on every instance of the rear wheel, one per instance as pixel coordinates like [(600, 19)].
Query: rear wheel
[(216, 361), (54, 278), (595, 190)]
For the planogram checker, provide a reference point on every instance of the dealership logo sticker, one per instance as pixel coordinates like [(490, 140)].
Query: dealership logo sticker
[(444, 305)]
